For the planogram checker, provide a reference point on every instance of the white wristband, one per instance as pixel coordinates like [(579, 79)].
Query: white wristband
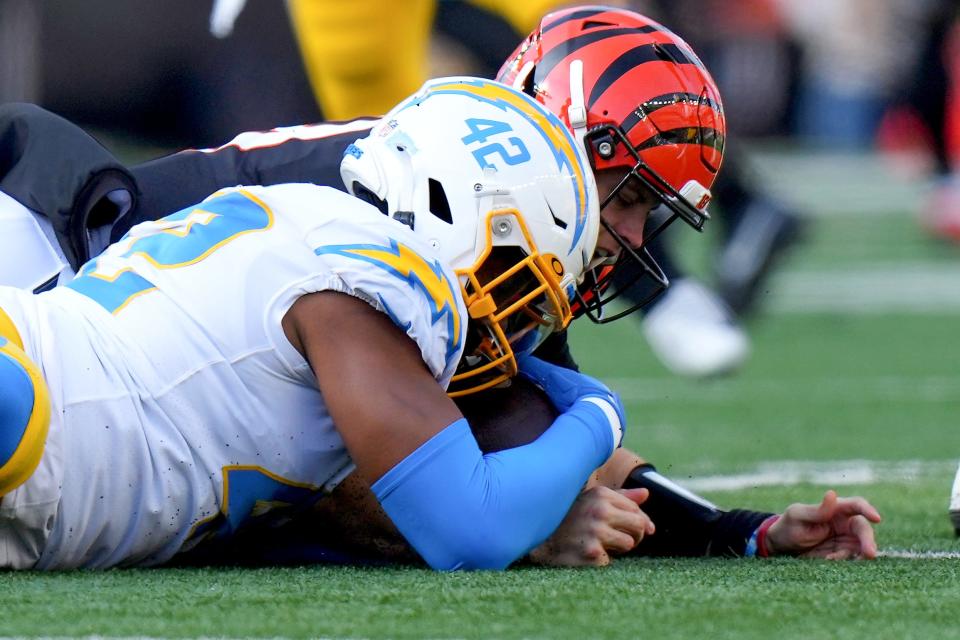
[(613, 419)]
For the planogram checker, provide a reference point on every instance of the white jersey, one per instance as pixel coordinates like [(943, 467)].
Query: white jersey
[(30, 255), (180, 409)]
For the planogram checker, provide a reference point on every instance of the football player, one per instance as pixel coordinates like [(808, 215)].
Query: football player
[(646, 166), (651, 119), (225, 364)]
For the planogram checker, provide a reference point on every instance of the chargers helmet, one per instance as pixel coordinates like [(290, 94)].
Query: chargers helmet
[(497, 184), (642, 102)]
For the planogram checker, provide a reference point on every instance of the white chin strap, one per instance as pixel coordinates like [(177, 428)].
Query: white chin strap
[(577, 111)]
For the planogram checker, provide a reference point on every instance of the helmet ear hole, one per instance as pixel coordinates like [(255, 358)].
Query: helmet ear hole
[(439, 206), (362, 192)]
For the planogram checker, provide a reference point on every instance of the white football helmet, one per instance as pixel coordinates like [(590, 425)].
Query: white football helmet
[(498, 185)]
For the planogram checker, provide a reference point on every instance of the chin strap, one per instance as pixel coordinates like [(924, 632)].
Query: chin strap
[(577, 111)]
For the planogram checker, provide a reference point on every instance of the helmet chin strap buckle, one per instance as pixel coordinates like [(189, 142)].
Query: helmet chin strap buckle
[(404, 217)]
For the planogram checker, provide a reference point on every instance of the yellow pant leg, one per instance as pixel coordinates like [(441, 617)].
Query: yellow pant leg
[(24, 410), (363, 56), (524, 15)]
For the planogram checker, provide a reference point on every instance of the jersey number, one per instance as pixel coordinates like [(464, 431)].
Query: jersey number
[(481, 130), (179, 240)]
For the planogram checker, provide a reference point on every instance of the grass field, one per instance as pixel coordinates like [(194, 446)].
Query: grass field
[(854, 383)]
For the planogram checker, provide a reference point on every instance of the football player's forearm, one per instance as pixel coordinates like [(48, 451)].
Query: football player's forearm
[(688, 525), (462, 510)]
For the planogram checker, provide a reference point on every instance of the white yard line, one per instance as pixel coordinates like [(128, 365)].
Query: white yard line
[(832, 184), (889, 388), (833, 473), (919, 555), (868, 289)]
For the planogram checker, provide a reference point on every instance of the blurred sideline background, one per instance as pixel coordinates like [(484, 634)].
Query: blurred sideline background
[(835, 73)]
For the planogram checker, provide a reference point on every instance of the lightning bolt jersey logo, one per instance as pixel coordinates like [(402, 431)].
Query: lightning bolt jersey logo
[(405, 263)]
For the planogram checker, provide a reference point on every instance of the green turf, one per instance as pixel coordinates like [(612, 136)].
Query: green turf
[(654, 598), (825, 387), (817, 387)]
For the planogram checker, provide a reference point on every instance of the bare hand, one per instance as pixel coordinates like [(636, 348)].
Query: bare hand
[(836, 529), (600, 522)]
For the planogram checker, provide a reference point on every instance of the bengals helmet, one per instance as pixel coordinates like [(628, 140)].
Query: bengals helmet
[(642, 102)]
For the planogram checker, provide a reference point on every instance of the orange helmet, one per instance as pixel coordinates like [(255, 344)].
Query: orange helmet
[(640, 100)]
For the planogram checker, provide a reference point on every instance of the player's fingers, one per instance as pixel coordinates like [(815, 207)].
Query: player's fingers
[(636, 496), (827, 506), (638, 524), (862, 531), (858, 506), (619, 510), (804, 514), (634, 523), (607, 501), (628, 500), (619, 542), (593, 555), (651, 527)]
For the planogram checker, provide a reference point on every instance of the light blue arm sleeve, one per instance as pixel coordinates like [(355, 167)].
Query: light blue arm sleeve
[(461, 509)]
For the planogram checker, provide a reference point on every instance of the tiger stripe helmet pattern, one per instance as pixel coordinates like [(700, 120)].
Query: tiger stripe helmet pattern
[(641, 101)]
